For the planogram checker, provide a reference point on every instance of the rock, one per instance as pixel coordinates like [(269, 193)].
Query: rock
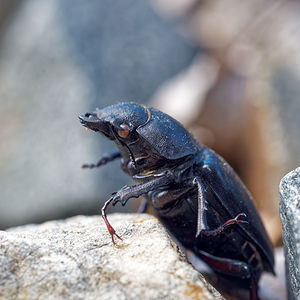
[(75, 259), (290, 217)]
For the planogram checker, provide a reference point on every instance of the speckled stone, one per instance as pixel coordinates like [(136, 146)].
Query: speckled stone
[(75, 259), (290, 217)]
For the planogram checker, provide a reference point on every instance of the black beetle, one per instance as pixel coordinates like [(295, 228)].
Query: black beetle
[(192, 190)]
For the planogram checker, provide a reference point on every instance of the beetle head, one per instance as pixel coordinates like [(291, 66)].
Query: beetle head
[(146, 137)]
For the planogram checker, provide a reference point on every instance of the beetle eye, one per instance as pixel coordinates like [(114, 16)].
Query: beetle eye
[(124, 131)]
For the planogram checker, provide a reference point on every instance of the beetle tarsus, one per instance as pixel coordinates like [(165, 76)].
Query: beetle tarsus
[(104, 160), (241, 221), (110, 229), (221, 228)]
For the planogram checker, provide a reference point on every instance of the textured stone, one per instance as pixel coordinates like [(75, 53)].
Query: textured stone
[(75, 259), (290, 217)]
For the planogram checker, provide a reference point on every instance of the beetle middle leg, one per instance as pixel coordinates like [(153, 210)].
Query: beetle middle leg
[(201, 220), (104, 160), (142, 207)]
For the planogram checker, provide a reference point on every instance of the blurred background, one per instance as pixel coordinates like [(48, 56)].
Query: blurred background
[(228, 70)]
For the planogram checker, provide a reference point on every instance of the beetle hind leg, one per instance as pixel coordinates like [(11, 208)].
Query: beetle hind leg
[(226, 266), (104, 160)]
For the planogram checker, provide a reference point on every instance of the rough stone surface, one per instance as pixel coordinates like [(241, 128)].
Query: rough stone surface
[(75, 259), (290, 217)]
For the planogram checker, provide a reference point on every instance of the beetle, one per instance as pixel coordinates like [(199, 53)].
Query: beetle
[(194, 192)]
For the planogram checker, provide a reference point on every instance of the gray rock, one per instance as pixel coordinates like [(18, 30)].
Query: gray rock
[(290, 217), (75, 259)]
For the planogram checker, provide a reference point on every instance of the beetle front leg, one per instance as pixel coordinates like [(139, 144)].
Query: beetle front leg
[(134, 191), (127, 192), (202, 227), (110, 229)]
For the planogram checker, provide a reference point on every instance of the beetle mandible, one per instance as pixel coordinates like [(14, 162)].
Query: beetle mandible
[(194, 193)]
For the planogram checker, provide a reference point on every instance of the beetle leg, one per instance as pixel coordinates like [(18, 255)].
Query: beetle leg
[(127, 192), (225, 266), (143, 206), (104, 160), (221, 228), (110, 229), (134, 191), (201, 218)]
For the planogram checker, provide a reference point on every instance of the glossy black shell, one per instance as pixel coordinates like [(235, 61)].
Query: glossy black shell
[(167, 136), (226, 196)]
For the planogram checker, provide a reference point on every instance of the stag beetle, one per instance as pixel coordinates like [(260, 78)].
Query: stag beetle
[(194, 193)]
